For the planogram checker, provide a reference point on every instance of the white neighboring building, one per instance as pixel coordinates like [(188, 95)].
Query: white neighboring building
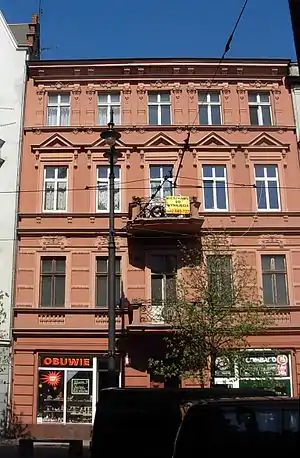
[(19, 42), (294, 83)]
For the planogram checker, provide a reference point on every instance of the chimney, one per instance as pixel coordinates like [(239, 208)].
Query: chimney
[(35, 19), (295, 18), (33, 37)]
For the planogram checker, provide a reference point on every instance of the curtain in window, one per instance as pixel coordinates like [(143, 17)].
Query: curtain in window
[(49, 196), (102, 114), (61, 203), (117, 196), (102, 197), (64, 116), (52, 116)]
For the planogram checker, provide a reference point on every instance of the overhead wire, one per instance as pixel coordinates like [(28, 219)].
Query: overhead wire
[(204, 94), (186, 145)]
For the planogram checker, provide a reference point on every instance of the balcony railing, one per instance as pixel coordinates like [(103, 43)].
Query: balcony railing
[(282, 318), (172, 215), (168, 207)]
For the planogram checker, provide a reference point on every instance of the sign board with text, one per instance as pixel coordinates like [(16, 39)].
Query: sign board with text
[(177, 205), (68, 361)]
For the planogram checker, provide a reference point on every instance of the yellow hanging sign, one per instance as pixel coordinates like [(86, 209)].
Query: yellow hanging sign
[(179, 205)]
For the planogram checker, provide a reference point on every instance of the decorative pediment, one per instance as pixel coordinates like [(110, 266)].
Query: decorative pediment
[(54, 143), (101, 144), (265, 140), (213, 140), (161, 141)]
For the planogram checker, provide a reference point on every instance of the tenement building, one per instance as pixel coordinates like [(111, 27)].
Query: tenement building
[(242, 131)]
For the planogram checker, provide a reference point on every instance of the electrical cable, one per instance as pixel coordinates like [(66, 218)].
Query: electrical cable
[(226, 49), (186, 145)]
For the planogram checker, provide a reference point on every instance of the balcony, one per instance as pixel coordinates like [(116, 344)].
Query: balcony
[(175, 216), (148, 316)]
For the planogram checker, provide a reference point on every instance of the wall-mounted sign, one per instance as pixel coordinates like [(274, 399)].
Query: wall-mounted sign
[(273, 364), (256, 364), (80, 386), (65, 361), (179, 205)]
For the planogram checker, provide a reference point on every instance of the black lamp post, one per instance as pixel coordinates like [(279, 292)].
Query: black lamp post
[(111, 135)]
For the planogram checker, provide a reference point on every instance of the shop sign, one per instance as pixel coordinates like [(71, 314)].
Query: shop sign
[(277, 365), (224, 367), (179, 205), (68, 361)]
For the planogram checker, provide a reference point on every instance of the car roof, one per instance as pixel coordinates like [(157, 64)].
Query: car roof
[(273, 400)]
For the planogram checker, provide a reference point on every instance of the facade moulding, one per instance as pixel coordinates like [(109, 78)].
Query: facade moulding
[(141, 129), (153, 69)]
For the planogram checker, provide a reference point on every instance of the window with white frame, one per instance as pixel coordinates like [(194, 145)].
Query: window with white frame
[(159, 108), (55, 188), (106, 103), (163, 284), (215, 187), (209, 107), (158, 174), (58, 110), (102, 198), (267, 187), (260, 108)]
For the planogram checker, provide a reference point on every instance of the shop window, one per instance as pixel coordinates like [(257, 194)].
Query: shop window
[(65, 394)]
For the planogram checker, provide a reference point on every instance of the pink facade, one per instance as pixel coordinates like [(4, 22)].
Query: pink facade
[(245, 136)]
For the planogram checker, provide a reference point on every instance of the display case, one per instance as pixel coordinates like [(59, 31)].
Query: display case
[(79, 397), (51, 397), (65, 396)]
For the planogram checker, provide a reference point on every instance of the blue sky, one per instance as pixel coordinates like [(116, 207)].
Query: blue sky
[(161, 28)]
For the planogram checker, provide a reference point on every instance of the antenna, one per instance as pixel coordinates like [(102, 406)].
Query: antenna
[(40, 8)]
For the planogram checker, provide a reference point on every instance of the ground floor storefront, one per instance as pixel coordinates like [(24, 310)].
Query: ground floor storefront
[(261, 368), (55, 387)]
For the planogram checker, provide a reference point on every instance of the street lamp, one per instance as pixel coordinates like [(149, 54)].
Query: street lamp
[(111, 135)]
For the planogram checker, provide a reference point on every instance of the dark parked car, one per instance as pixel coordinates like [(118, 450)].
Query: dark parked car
[(143, 422), (237, 427)]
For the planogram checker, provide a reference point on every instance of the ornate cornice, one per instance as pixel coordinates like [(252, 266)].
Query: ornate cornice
[(137, 69)]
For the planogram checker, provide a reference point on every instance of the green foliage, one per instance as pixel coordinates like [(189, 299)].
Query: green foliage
[(217, 306)]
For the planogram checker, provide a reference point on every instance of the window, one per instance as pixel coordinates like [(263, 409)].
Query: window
[(209, 107), (53, 279), (163, 272), (55, 189), (260, 109), (219, 277), (106, 103), (274, 277), (58, 112), (159, 108), (267, 187), (65, 389), (215, 187), (102, 203), (157, 178), (102, 282), (163, 284)]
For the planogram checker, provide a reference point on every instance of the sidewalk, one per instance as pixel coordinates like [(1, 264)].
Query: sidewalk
[(40, 451)]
